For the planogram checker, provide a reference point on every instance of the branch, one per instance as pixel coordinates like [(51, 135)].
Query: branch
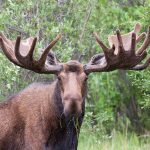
[(17, 30), (88, 13)]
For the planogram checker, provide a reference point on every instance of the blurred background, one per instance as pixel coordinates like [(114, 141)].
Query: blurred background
[(118, 103)]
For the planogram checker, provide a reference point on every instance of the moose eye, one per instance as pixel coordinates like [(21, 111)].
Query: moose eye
[(85, 79), (59, 78)]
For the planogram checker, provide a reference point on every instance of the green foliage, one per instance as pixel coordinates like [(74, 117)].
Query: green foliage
[(76, 20), (118, 141), (9, 75)]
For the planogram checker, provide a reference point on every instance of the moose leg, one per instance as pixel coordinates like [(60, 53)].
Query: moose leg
[(34, 143), (34, 137)]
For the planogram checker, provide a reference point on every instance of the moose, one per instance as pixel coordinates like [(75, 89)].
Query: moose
[(48, 116)]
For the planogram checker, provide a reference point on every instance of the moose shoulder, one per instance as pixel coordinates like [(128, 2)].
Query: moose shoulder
[(49, 115), (38, 117)]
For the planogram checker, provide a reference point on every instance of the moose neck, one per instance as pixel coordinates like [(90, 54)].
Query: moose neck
[(70, 127)]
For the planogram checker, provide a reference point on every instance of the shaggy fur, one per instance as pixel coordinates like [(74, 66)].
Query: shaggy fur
[(32, 120)]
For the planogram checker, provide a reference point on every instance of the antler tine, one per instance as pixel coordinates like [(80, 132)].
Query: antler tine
[(146, 42), (30, 54), (17, 47), (142, 66), (9, 53), (46, 51), (5, 39), (140, 37), (120, 43), (133, 43), (102, 45)]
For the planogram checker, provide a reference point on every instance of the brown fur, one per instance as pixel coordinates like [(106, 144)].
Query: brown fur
[(27, 111), (32, 119)]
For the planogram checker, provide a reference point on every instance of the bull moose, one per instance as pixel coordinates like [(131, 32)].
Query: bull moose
[(48, 116)]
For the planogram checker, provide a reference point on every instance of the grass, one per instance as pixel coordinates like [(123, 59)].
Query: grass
[(117, 141)]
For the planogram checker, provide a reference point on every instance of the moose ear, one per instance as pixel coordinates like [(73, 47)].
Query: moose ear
[(97, 59), (51, 58)]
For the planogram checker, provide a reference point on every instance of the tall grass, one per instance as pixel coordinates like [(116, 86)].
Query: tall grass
[(117, 141)]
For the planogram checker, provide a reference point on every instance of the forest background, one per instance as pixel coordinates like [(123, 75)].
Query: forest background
[(118, 103)]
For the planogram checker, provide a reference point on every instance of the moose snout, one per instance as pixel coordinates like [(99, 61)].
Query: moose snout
[(72, 105), (73, 98)]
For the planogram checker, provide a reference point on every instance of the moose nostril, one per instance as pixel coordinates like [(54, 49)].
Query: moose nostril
[(73, 104), (73, 107), (73, 98)]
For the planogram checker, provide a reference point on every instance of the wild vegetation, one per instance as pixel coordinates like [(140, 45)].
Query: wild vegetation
[(118, 103)]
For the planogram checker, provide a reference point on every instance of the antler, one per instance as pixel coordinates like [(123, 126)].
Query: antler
[(122, 54), (20, 52)]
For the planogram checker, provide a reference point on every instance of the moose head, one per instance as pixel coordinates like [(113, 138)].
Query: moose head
[(72, 75)]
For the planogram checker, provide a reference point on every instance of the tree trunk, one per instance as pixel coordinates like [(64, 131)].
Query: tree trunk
[(128, 105)]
